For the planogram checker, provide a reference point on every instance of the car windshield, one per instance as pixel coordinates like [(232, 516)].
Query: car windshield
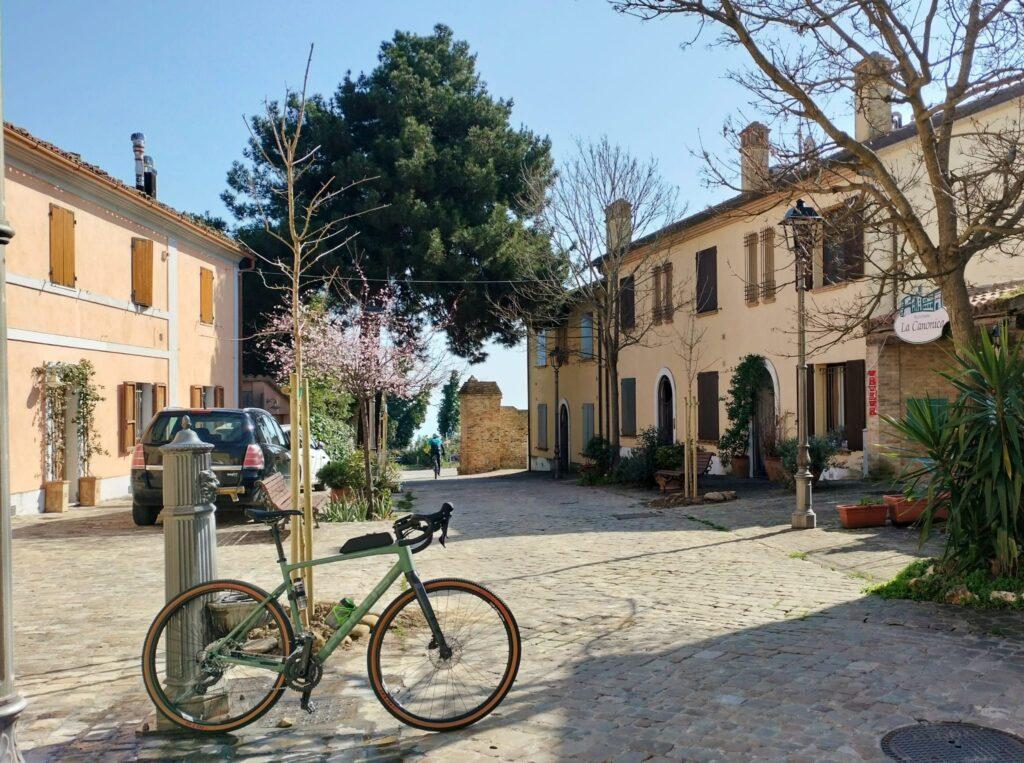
[(215, 427)]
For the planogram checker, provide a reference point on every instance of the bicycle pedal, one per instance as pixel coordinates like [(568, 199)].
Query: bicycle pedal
[(307, 705)]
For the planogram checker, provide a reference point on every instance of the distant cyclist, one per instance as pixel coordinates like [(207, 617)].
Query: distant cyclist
[(437, 453)]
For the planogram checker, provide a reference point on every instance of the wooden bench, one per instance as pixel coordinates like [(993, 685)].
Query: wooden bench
[(670, 480), (277, 495)]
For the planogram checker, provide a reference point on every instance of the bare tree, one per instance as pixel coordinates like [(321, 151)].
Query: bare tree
[(961, 195), (305, 240), (601, 198)]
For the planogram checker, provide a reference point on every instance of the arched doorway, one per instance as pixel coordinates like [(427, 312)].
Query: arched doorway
[(666, 411), (563, 437)]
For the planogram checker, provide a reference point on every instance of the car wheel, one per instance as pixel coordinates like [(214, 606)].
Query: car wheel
[(144, 516)]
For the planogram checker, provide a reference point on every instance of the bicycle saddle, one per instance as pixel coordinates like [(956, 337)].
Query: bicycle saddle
[(261, 515)]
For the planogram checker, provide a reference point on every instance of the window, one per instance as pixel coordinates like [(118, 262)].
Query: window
[(627, 302), (768, 264), (707, 280), (627, 404), (662, 293), (707, 406), (270, 430), (541, 349), (835, 392), (842, 249), (62, 246), (587, 336), (542, 426), (142, 272), (657, 294), (845, 402), (128, 432), (588, 423), (206, 296), (215, 427), (750, 288)]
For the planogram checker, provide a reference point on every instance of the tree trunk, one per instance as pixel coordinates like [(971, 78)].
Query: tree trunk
[(367, 471), (613, 405), (958, 304)]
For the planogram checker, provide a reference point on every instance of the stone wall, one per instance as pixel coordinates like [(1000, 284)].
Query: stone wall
[(494, 436)]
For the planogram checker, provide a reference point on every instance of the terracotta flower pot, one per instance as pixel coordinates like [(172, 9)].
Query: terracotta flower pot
[(906, 511), (853, 515), (88, 491), (740, 466), (341, 493), (55, 496), (773, 466)]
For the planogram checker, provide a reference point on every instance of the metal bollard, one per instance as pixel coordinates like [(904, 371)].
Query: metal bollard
[(190, 556)]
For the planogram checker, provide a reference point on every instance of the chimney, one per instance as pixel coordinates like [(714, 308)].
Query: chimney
[(754, 157), (618, 223), (139, 148), (871, 91), (149, 176)]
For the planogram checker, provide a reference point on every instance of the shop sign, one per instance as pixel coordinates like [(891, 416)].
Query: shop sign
[(873, 393), (921, 317)]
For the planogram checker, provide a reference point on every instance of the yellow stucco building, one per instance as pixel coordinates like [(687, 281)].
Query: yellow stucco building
[(101, 270), (731, 265)]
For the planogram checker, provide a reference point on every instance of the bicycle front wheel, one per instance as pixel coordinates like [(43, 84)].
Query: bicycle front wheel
[(184, 676), (420, 688)]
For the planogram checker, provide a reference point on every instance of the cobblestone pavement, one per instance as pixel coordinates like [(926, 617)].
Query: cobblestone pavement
[(648, 634)]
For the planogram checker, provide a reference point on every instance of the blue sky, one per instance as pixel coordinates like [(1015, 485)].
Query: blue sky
[(87, 75)]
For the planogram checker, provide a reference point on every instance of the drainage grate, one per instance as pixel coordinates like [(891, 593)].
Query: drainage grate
[(952, 743)]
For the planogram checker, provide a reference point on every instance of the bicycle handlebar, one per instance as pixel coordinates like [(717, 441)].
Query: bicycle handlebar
[(424, 526)]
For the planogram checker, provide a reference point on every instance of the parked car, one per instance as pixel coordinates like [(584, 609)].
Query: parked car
[(318, 458), (248, 445)]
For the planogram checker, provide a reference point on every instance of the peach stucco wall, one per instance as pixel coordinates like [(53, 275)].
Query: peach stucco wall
[(96, 319)]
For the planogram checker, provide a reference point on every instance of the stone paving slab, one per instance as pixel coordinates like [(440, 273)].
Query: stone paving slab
[(653, 638)]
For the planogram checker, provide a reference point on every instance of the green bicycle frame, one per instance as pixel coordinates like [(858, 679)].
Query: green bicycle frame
[(403, 566)]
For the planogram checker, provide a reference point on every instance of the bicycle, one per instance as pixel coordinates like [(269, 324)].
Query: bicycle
[(442, 655), (435, 462)]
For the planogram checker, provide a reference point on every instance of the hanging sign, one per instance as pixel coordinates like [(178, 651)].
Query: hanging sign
[(921, 317), (873, 392)]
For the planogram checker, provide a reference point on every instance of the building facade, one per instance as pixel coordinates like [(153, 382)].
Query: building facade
[(100, 270), (732, 270)]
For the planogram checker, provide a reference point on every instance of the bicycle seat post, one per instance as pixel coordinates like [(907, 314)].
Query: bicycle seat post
[(275, 530)]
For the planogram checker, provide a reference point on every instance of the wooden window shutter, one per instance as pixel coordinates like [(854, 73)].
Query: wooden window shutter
[(627, 404), (666, 301), (854, 396), (62, 246), (768, 263), (159, 398), (205, 295), (142, 271), (657, 293), (627, 302), (707, 280), (195, 396), (218, 397), (127, 417), (707, 406), (750, 247), (542, 425)]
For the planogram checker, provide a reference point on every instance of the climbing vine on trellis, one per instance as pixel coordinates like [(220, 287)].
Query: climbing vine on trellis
[(62, 383)]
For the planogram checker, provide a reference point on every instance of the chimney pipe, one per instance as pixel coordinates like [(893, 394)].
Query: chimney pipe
[(618, 222), (149, 176), (139, 148), (871, 94), (754, 156)]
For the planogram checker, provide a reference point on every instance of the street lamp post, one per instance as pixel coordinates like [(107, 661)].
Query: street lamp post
[(801, 225)]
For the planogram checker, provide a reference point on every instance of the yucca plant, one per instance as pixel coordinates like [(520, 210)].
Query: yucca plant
[(973, 456)]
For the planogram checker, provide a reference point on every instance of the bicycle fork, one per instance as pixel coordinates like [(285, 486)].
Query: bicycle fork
[(438, 641)]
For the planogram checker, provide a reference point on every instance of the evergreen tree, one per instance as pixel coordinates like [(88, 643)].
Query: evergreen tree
[(404, 418), (448, 411)]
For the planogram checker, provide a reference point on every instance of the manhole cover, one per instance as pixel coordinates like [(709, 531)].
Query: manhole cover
[(952, 742), (637, 515)]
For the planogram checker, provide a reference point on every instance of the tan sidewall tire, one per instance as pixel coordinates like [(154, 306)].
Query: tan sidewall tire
[(150, 680), (377, 636)]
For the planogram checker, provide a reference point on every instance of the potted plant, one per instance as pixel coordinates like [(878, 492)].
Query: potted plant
[(908, 509), (64, 385), (770, 441), (868, 512), (342, 475), (822, 450)]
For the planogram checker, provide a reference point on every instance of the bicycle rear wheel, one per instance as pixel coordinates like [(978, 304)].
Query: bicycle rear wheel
[(420, 688), (187, 684)]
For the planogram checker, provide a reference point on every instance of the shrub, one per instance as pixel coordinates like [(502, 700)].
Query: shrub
[(822, 448), (973, 449), (741, 405), (638, 468), (670, 456), (599, 452), (343, 472)]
